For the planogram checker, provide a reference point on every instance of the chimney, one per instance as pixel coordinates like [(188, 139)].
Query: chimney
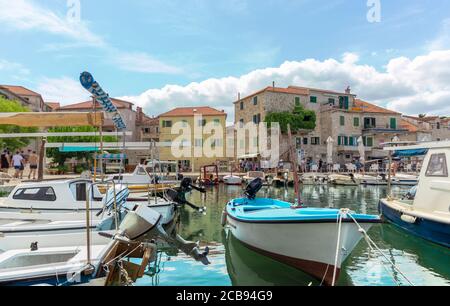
[(273, 84), (348, 91), (140, 114)]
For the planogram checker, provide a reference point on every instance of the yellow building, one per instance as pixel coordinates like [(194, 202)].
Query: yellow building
[(199, 132)]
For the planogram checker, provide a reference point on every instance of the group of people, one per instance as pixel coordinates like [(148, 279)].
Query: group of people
[(19, 161), (248, 165)]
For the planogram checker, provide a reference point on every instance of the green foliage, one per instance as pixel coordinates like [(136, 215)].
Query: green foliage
[(299, 119), (8, 106), (60, 157)]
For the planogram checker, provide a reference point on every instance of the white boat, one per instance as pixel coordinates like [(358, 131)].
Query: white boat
[(314, 179), (344, 180), (308, 239), (232, 180), (145, 175), (369, 180), (403, 179), (426, 210)]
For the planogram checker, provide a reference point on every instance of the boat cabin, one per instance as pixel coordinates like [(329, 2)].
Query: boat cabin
[(53, 195)]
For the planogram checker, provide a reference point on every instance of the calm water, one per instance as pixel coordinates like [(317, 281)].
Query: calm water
[(233, 264)]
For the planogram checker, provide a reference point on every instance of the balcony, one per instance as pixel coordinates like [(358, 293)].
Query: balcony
[(382, 129)]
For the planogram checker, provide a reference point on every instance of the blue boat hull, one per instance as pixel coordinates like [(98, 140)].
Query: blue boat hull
[(436, 232)]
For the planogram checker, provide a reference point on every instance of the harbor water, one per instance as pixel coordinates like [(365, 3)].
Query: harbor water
[(422, 262)]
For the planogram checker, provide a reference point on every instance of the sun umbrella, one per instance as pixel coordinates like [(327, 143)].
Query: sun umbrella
[(330, 142), (362, 150)]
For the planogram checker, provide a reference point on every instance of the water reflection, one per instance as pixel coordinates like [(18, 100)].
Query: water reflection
[(232, 263)]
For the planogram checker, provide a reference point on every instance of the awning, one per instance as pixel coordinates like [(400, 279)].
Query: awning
[(410, 153), (249, 156), (78, 149)]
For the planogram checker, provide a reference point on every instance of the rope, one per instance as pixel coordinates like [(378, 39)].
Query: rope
[(373, 246), (338, 246)]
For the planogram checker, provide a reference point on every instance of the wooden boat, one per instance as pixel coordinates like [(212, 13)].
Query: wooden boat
[(305, 238), (344, 180), (425, 214)]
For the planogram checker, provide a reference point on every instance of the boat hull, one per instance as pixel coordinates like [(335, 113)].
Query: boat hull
[(430, 230), (307, 246)]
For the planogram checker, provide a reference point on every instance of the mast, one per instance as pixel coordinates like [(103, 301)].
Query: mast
[(294, 160)]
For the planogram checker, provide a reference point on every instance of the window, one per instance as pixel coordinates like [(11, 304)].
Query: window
[(35, 194), (242, 105), (313, 99), (344, 102), (241, 123), (393, 123), (331, 101), (199, 143), (343, 141), (255, 101), (370, 123), (342, 120), (167, 124), (315, 141), (368, 141), (297, 101), (184, 123), (80, 192), (356, 122), (201, 122), (298, 143), (216, 122), (352, 141), (257, 119), (305, 141), (438, 126), (437, 167)]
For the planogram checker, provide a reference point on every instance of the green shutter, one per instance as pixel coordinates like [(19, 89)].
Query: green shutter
[(393, 123), (297, 101), (342, 119), (346, 103), (313, 99), (369, 141), (339, 140), (356, 122)]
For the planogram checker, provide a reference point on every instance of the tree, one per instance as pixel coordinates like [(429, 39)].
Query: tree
[(60, 157), (9, 106), (299, 119)]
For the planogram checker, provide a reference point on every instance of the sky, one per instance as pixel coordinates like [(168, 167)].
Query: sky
[(161, 54)]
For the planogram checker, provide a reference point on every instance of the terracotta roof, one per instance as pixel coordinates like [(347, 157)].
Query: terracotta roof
[(409, 126), (289, 90), (191, 111), (372, 108), (53, 105), (89, 105), (20, 90), (309, 89)]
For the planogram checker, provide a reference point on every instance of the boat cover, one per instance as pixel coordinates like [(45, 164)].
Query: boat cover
[(410, 153)]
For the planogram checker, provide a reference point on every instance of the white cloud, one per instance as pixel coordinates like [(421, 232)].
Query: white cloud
[(13, 68), (64, 90), (401, 86), (26, 15), (142, 62)]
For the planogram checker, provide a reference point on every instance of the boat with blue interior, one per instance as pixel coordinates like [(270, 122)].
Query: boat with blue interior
[(426, 210), (314, 240)]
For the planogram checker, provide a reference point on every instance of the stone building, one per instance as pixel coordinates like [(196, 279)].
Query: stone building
[(197, 138), (340, 115), (24, 96), (439, 127)]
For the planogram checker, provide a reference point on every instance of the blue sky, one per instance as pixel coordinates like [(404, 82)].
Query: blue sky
[(134, 46)]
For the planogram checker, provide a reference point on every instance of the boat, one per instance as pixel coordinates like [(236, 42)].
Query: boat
[(402, 179), (314, 179), (369, 180), (252, 175), (232, 180), (425, 212), (144, 175), (344, 180), (209, 176), (308, 239)]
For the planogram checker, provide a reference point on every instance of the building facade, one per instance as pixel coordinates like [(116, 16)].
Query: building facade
[(340, 115), (195, 138), (438, 128), (28, 98)]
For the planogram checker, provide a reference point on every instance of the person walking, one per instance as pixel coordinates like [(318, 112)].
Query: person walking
[(33, 160), (17, 161), (4, 161)]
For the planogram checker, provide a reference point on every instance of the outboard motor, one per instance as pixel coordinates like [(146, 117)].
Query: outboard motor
[(179, 196), (253, 188)]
